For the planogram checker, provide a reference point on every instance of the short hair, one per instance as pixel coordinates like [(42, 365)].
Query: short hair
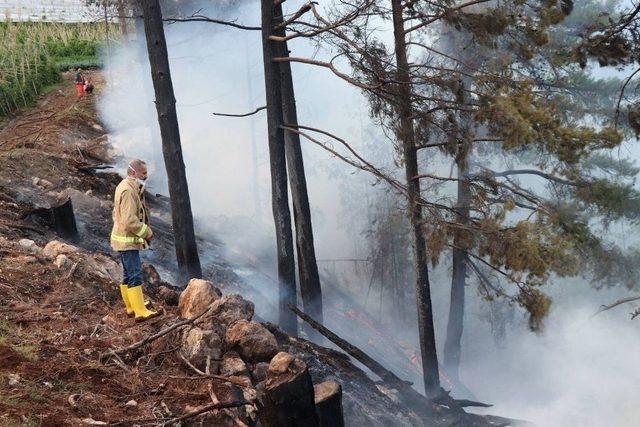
[(135, 165)]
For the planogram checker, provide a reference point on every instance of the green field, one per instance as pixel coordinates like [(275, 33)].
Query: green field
[(32, 54)]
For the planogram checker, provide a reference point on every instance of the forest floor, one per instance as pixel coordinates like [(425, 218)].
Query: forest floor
[(60, 312)]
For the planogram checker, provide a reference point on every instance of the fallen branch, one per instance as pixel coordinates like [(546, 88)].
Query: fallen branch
[(160, 334), (464, 403), (210, 377), (416, 401), (385, 374), (207, 408)]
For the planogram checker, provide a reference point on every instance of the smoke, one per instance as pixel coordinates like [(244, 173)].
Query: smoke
[(578, 371), (581, 371)]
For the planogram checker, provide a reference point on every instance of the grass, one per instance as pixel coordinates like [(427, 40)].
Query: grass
[(25, 349), (32, 54)]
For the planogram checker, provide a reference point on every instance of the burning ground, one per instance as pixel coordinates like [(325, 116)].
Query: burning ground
[(62, 328)]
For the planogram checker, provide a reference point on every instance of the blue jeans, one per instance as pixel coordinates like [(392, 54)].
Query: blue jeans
[(132, 267)]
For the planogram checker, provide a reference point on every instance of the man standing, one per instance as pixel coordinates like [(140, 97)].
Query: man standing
[(130, 234)]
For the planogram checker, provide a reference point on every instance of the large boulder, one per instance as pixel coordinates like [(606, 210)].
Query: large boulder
[(251, 340), (55, 248), (198, 345), (197, 296)]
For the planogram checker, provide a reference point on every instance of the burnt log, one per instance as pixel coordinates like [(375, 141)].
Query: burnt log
[(288, 398), (420, 404), (328, 398)]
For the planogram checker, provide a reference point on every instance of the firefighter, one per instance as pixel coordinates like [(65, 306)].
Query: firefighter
[(131, 234)]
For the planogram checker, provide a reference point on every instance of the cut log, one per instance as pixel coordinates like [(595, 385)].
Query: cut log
[(328, 398), (288, 394)]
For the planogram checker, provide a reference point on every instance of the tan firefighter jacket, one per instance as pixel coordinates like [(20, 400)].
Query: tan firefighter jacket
[(130, 217)]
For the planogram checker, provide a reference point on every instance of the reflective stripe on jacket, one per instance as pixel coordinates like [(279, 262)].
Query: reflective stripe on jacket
[(130, 218)]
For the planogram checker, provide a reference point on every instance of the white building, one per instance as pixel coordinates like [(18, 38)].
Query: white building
[(48, 10)]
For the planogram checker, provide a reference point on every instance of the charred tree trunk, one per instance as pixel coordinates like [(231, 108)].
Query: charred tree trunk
[(461, 243), (278, 168), (328, 398), (452, 345), (414, 209), (307, 266), (182, 218)]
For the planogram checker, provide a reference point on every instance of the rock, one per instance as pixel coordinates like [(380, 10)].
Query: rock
[(62, 261), (232, 365), (280, 363), (259, 371), (229, 309), (104, 267), (35, 181), (46, 184), (196, 297), (197, 344), (131, 404), (55, 248), (29, 245), (14, 379), (251, 340)]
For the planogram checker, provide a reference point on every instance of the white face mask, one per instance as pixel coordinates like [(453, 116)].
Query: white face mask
[(140, 181)]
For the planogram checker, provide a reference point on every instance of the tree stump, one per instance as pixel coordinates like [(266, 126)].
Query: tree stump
[(60, 219), (288, 394), (328, 399)]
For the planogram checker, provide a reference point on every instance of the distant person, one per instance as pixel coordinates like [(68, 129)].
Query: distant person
[(79, 81), (131, 234)]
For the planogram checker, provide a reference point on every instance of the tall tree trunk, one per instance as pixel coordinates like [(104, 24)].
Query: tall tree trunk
[(278, 166), (461, 243), (414, 209), (183, 234), (452, 345), (307, 266)]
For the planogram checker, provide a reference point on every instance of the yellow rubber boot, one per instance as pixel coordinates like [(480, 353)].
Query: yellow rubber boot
[(124, 291), (136, 298)]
